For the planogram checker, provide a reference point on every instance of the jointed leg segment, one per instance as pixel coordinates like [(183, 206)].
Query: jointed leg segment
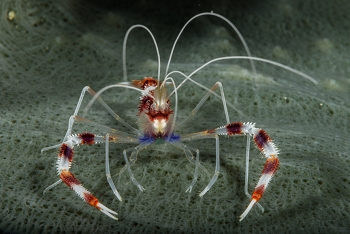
[(64, 161), (189, 156), (66, 152), (265, 145), (133, 158), (261, 139), (205, 135)]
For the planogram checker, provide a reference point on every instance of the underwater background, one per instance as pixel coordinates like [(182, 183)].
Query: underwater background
[(50, 50)]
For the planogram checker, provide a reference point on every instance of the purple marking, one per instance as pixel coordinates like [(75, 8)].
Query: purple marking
[(146, 138), (261, 139), (173, 138), (67, 152), (271, 166)]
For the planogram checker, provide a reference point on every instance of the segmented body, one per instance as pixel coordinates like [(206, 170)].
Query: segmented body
[(155, 114)]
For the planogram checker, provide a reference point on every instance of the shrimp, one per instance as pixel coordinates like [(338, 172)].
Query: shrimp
[(157, 123)]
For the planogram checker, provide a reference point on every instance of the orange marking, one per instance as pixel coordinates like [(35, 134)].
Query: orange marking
[(91, 199), (147, 81), (69, 179), (258, 192), (112, 139)]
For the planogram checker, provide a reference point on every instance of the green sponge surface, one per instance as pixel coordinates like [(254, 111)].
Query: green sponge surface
[(50, 50)]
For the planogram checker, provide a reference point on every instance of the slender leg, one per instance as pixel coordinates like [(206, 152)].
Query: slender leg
[(247, 168), (197, 163), (133, 158), (75, 117), (203, 135), (217, 167), (52, 185), (105, 128), (195, 177), (265, 145), (117, 117), (189, 156), (108, 173), (205, 98), (247, 173), (92, 93)]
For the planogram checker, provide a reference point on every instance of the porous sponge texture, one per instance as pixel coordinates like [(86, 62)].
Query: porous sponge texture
[(50, 50)]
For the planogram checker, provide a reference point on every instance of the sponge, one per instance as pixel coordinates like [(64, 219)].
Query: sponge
[(51, 50)]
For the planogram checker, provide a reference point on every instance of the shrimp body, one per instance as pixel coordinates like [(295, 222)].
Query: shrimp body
[(155, 114)]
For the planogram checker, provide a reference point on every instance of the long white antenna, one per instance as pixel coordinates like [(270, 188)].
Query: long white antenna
[(249, 58), (124, 49), (227, 21)]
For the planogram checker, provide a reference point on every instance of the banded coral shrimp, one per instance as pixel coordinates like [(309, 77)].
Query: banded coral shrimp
[(158, 124)]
